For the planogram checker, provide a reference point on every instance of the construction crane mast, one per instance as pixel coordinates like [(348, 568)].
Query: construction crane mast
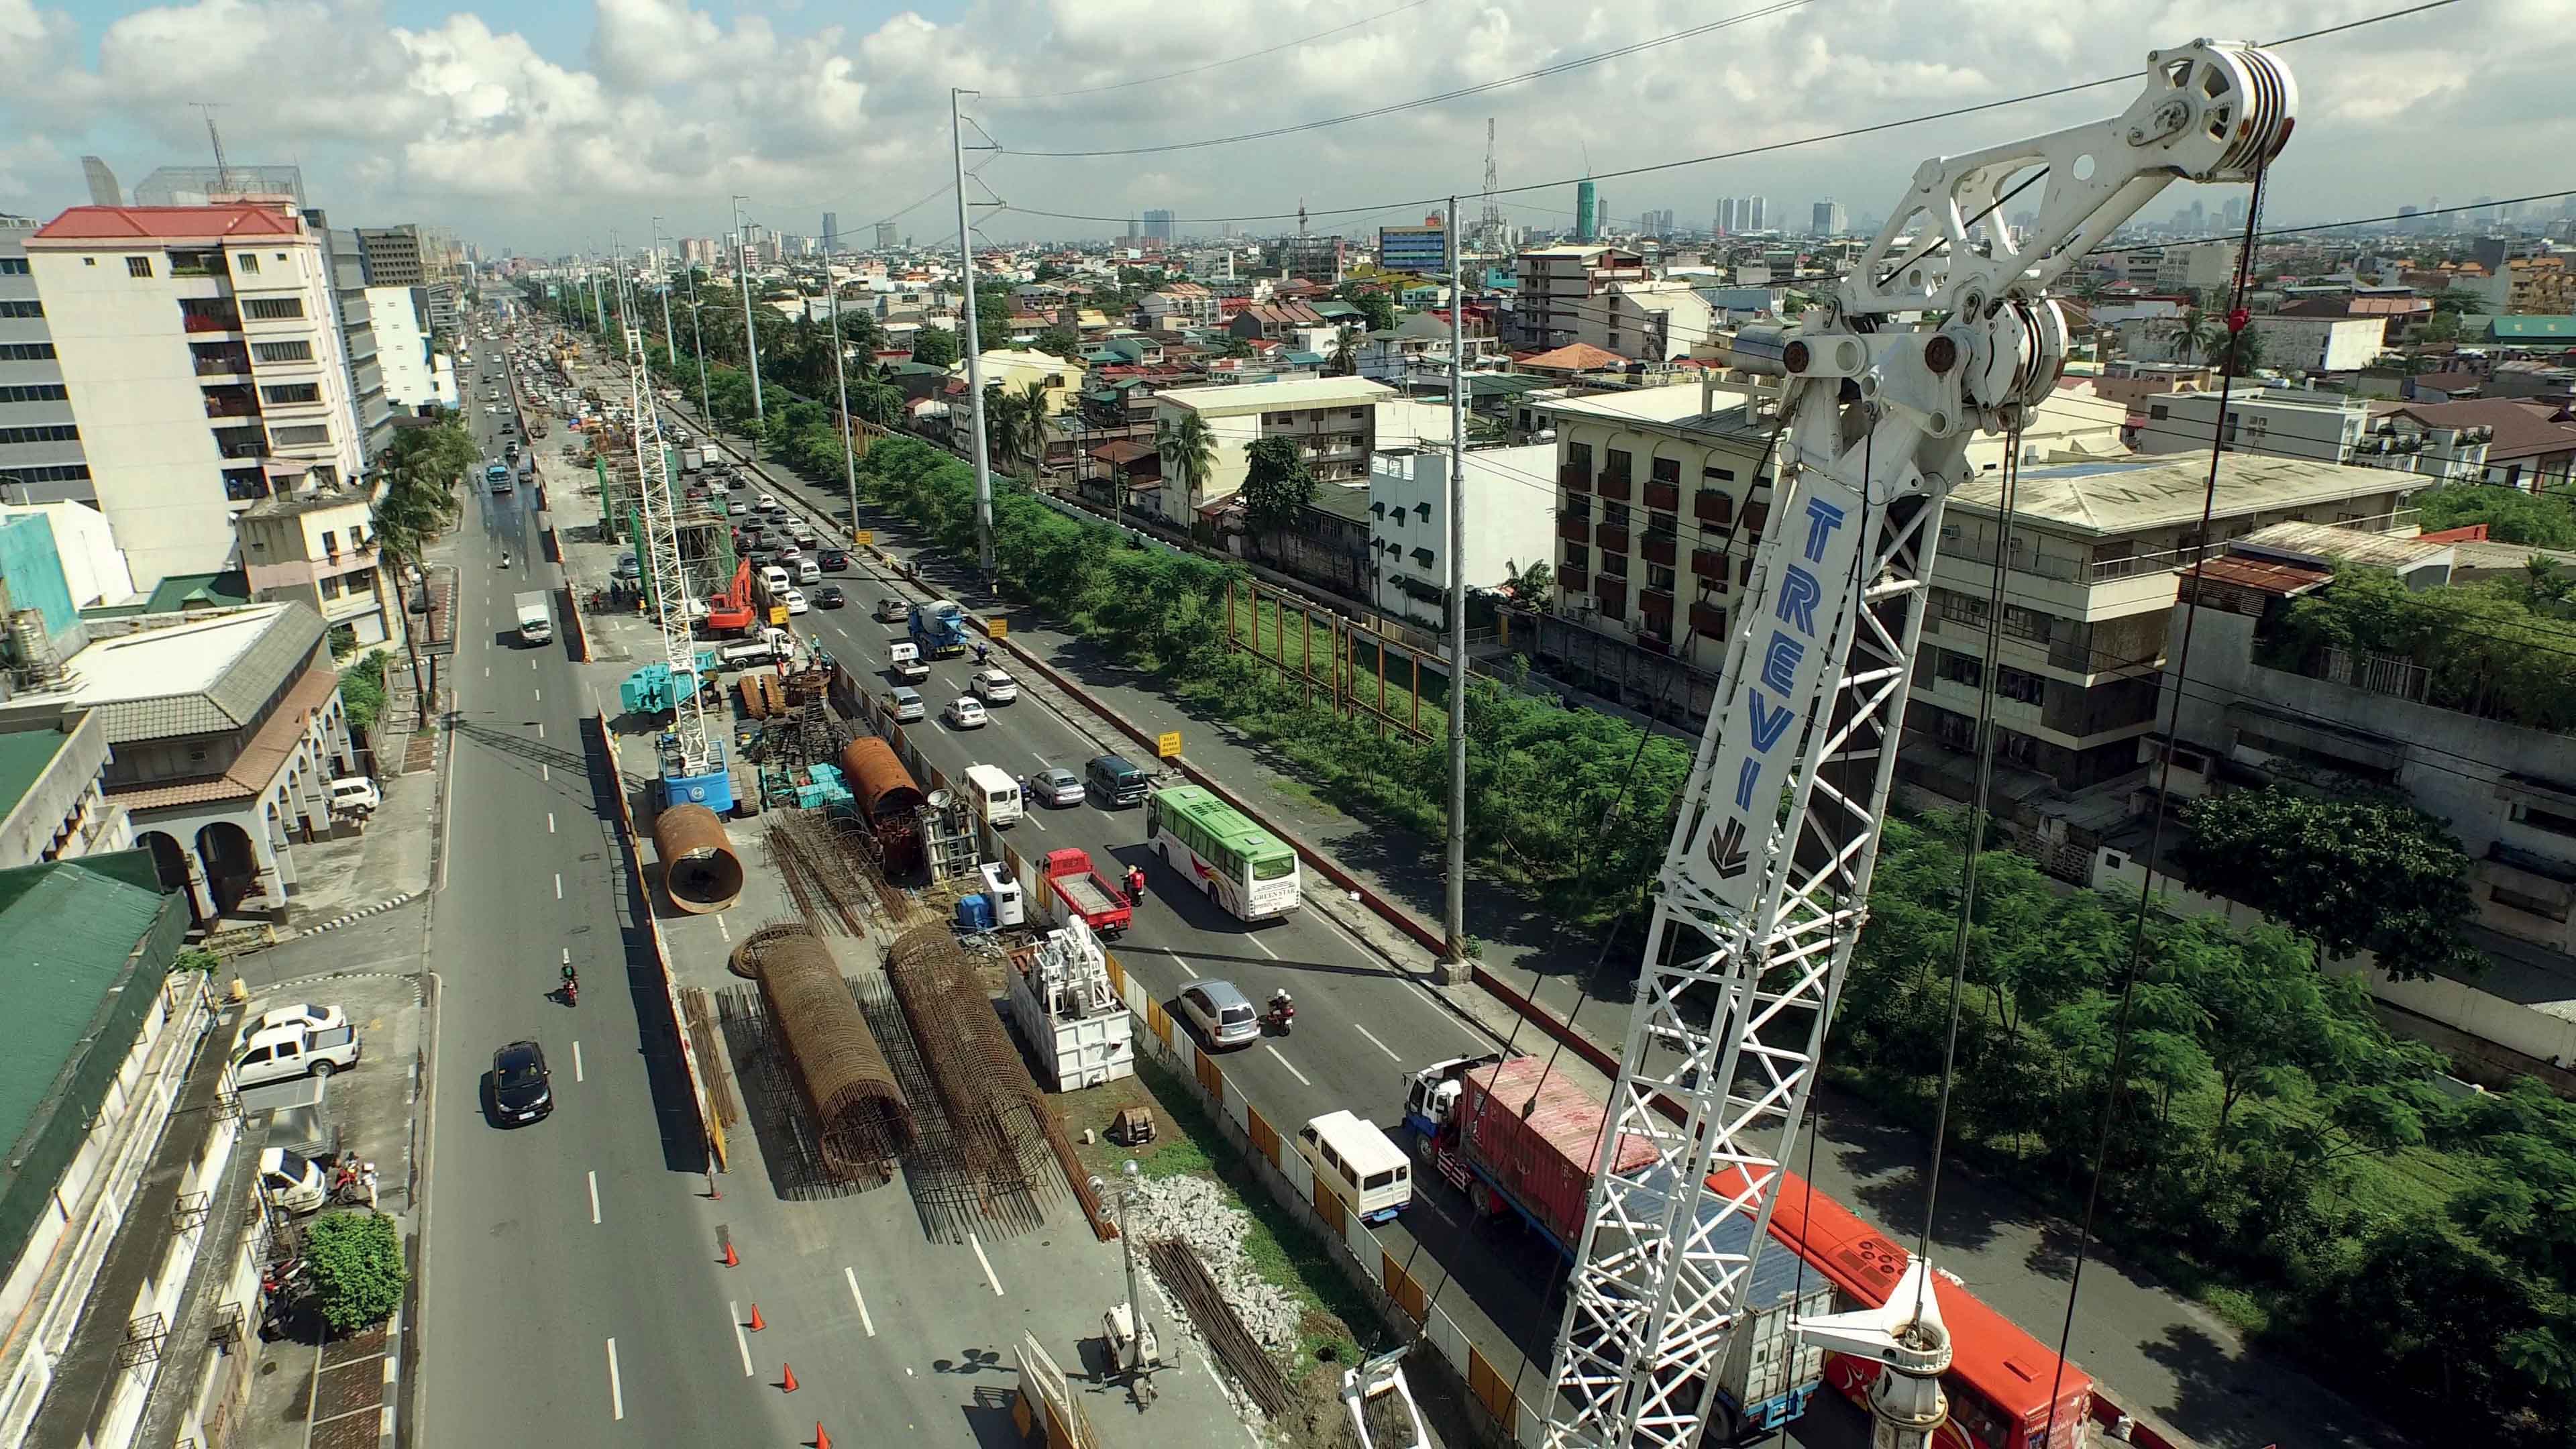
[(693, 771), (1765, 879)]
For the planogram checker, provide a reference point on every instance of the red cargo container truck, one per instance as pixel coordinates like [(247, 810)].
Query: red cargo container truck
[(1516, 1137)]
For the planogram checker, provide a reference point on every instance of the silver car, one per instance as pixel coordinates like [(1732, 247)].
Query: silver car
[(1221, 1012)]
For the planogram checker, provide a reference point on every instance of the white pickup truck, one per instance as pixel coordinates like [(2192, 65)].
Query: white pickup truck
[(283, 1053), (770, 645)]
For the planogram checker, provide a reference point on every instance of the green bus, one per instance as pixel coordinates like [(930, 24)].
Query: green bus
[(1241, 866)]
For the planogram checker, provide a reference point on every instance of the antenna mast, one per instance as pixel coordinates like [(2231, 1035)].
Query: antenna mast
[(223, 170), (1492, 223)]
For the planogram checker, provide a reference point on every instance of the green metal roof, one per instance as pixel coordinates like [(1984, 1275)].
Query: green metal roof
[(23, 757), (2532, 329), (84, 946)]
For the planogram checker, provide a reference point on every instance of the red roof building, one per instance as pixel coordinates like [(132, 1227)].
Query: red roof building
[(163, 224)]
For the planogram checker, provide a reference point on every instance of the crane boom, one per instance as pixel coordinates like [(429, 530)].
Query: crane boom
[(1765, 878)]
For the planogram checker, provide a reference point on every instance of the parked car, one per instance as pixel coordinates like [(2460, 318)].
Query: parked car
[(965, 712), (830, 597), (354, 795), (309, 1015), (796, 601), (834, 560), (994, 686), (628, 568), (1056, 785), (521, 1089), (1221, 1012), (291, 1182)]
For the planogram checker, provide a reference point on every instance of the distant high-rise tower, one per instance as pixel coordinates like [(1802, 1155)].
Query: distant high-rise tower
[(1587, 214), (102, 183), (885, 236), (1158, 226), (1755, 218), (831, 232), (1726, 216), (1830, 219)]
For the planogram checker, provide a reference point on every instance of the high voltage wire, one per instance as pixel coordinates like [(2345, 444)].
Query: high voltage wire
[(1780, 7), (1810, 140), (1214, 64)]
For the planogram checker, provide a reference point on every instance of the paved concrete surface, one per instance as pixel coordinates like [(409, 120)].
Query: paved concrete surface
[(387, 857), (2161, 1355)]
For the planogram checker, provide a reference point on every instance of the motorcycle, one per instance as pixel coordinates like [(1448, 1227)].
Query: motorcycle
[(1276, 1019), (572, 991)]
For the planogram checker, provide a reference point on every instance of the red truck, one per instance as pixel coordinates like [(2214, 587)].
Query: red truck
[(1071, 889)]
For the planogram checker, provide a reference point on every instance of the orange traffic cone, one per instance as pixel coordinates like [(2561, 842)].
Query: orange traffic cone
[(730, 1259), (787, 1377), (821, 1439), (757, 1322)]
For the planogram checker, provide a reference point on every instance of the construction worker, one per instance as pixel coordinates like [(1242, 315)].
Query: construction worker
[(1135, 885)]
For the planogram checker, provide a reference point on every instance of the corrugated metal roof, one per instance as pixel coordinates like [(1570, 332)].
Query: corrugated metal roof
[(234, 699), (66, 930)]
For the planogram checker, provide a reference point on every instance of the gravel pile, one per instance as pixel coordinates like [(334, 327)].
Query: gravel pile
[(1195, 1211)]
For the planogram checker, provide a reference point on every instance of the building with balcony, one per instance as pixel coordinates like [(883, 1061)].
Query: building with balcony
[(1559, 287), (1178, 305), (226, 730), (370, 409), (1648, 321), (318, 549), (206, 364), (53, 789), (40, 448), (2323, 427), (417, 376), (1332, 419), (2089, 570), (2512, 442), (1511, 508)]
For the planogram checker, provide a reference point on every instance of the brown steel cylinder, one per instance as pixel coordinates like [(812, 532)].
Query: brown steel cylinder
[(858, 1110), (884, 788), (700, 871)]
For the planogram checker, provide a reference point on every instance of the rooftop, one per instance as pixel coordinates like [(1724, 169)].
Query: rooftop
[(24, 754), (167, 224), (2117, 497), (297, 505), (2322, 543), (1227, 399), (1681, 404), (1573, 357), (199, 677), (2522, 429)]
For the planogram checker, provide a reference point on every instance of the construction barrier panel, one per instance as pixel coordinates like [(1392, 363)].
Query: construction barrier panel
[(1265, 1138), (1405, 1289)]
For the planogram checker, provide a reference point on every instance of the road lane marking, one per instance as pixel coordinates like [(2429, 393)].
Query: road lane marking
[(543, 773), (741, 1340), (541, 696), (558, 885), (594, 1199), (1040, 824), (487, 671), (1256, 942), (1283, 1061), (616, 1390), (722, 929), (865, 1322), (987, 1262), (541, 729), (550, 822), (576, 1061), (1373, 1041)]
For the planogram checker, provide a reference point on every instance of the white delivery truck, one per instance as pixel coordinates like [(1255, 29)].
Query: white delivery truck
[(536, 619)]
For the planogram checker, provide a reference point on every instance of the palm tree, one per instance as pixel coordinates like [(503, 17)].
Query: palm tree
[(2194, 334), (1345, 357), (408, 514), (1188, 448), (1029, 424)]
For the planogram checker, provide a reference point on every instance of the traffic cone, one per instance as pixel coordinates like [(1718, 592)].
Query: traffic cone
[(731, 1260), (786, 1377), (821, 1439), (757, 1322)]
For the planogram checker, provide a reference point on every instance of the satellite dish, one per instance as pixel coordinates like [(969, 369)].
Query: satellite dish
[(941, 799)]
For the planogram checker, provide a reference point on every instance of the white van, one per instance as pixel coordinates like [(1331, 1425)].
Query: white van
[(777, 579), (995, 795), (1357, 1163), (808, 571)]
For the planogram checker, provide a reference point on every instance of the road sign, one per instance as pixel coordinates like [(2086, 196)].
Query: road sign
[(863, 538), (778, 613), (1169, 746), (996, 627)]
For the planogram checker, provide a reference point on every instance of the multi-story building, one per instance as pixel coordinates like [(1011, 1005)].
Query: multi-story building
[(205, 365), (1650, 321), (1830, 219), (1332, 419), (370, 409), (2089, 570), (1755, 213), (393, 256), (1560, 287), (885, 236), (2517, 443), (40, 448), (1422, 248), (53, 791), (417, 376), (831, 232), (319, 549), (2322, 427), (700, 251), (1313, 259), (1510, 505), (1158, 225), (1177, 305)]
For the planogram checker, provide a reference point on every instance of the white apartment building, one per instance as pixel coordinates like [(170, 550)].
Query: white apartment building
[(1562, 286), (1511, 508), (2203, 265), (205, 363), (1649, 321), (1334, 420), (1182, 304), (415, 376), (2323, 426)]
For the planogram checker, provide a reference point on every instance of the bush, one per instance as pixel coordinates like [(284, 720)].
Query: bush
[(357, 1266), (362, 690)]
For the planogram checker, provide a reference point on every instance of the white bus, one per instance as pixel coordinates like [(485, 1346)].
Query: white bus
[(1241, 866)]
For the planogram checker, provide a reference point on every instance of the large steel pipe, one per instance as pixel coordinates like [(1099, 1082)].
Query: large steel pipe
[(700, 871), (858, 1110)]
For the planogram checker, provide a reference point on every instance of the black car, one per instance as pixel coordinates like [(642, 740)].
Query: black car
[(833, 561), (735, 482), (521, 1090), (830, 597)]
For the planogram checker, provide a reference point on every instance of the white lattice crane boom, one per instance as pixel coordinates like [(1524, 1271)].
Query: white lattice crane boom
[(1765, 878), (658, 550)]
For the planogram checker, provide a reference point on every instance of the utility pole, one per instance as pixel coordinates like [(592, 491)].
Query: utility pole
[(598, 306), (698, 344), (841, 383), (670, 346), (750, 334), (974, 347), (1454, 962)]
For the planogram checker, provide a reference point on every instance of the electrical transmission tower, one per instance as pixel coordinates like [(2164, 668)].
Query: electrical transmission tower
[(1490, 226)]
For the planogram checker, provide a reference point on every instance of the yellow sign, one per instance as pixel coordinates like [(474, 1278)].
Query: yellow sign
[(778, 613), (996, 627), (863, 538), (1169, 746)]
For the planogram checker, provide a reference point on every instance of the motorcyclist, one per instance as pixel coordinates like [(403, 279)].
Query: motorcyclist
[(571, 981), (1281, 1007), (980, 652), (505, 558), (1135, 883)]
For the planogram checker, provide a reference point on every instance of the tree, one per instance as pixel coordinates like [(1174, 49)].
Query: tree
[(1529, 586), (2440, 327), (2353, 873), (2240, 352), (357, 1266), (992, 315), (1375, 305), (1188, 448), (1236, 347), (2194, 334), (416, 504), (937, 346), (1277, 485), (1345, 354), (1059, 341)]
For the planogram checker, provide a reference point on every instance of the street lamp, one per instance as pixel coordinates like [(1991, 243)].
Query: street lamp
[(1130, 1336)]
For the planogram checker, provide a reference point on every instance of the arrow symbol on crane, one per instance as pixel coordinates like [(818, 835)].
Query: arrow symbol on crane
[(1726, 850)]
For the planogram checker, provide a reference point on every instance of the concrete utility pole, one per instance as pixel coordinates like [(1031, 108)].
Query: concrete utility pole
[(750, 334), (670, 347), (598, 308), (698, 344), (1454, 957), (841, 383), (974, 347)]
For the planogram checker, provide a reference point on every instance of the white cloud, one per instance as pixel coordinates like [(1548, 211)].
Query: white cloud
[(670, 107)]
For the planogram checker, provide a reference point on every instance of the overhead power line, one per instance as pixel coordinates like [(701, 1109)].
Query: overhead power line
[(1780, 7), (1147, 80)]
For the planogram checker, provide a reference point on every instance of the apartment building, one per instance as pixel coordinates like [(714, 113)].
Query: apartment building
[(1510, 505), (319, 549), (1413, 248), (2201, 265), (416, 375), (2090, 565), (1177, 306), (1649, 321), (370, 409), (1558, 287), (206, 367), (40, 450), (2323, 427), (1333, 419)]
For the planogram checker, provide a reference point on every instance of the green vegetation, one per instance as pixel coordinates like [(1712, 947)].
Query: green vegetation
[(2353, 873), (937, 346), (420, 472), (2495, 649), (198, 959), (2542, 520), (362, 691), (358, 1271)]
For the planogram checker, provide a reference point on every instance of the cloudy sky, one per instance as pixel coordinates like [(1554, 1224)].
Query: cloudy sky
[(542, 127)]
